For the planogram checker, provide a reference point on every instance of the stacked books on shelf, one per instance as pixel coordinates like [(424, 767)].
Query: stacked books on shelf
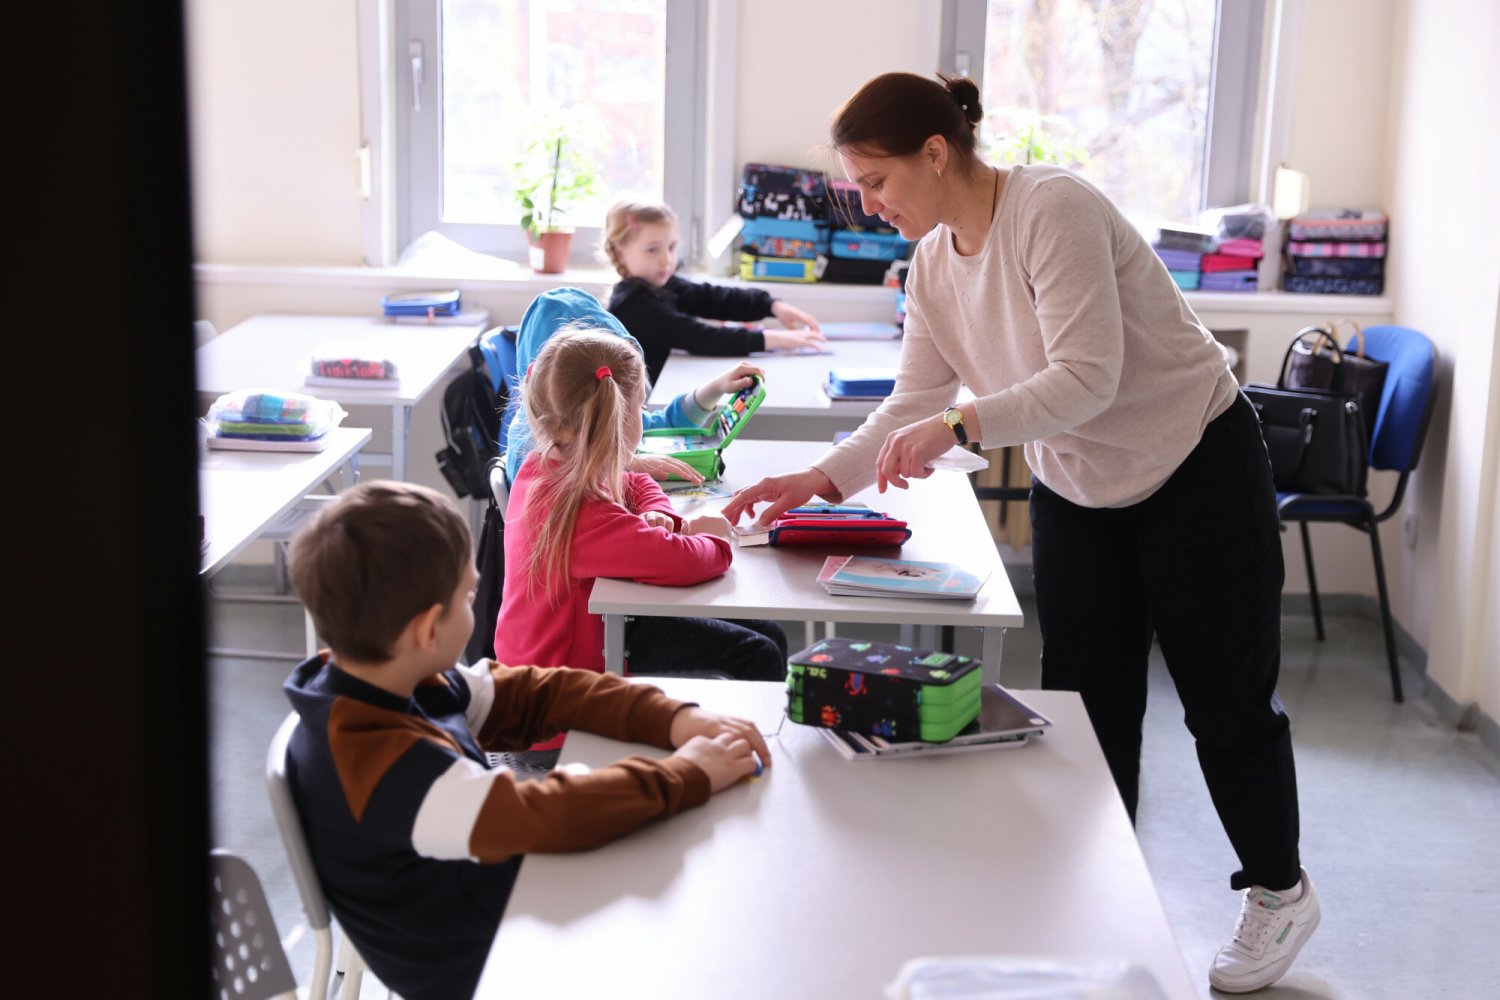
[(1182, 248), (1336, 252), (1233, 264), (267, 420), (872, 576)]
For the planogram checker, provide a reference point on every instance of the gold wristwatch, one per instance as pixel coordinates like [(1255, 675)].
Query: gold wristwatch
[(954, 418)]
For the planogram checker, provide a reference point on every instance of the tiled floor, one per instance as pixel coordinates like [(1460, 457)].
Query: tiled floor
[(1400, 814)]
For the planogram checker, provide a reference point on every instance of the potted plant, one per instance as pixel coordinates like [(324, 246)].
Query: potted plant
[(552, 176)]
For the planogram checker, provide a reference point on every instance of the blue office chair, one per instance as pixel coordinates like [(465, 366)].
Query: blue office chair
[(1395, 444)]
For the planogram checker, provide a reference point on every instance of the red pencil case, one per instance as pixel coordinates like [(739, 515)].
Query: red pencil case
[(869, 530)]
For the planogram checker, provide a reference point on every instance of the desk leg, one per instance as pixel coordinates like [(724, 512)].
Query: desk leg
[(614, 643), (400, 424), (990, 645)]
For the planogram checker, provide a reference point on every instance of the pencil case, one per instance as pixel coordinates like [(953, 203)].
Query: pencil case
[(883, 689), (869, 528), (777, 268)]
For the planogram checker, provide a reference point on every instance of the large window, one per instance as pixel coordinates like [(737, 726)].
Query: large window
[(1151, 100), (478, 79)]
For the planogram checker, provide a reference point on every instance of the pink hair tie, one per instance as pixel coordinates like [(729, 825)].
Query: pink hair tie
[(528, 369), (602, 372)]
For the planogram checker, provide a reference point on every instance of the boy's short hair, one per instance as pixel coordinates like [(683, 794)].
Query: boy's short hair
[(374, 559)]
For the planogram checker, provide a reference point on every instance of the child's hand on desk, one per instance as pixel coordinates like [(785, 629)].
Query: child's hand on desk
[(692, 723), (662, 467), (724, 759), (790, 340), (792, 318), (657, 519), (706, 524)]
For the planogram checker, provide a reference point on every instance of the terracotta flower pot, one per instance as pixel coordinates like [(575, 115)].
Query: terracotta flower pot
[(548, 252)]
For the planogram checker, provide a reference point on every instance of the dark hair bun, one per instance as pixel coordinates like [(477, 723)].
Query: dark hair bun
[(965, 94)]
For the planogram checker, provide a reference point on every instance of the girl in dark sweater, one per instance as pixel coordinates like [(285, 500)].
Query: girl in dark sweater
[(663, 310)]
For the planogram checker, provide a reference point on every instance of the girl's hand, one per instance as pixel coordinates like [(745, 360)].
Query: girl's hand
[(706, 524), (791, 340), (662, 467), (907, 451), (791, 317), (782, 493), (707, 395), (693, 721), (657, 519)]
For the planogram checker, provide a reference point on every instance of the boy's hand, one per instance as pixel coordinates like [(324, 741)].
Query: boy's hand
[(707, 395), (657, 519), (706, 524), (661, 467), (725, 759), (791, 317), (691, 721)]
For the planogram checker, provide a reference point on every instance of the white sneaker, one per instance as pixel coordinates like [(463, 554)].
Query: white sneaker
[(1267, 937)]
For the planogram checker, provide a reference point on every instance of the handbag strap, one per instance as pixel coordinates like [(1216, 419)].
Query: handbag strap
[(1321, 334), (1357, 339)]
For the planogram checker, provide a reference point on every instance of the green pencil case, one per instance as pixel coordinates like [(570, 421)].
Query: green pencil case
[(703, 447), (883, 689)]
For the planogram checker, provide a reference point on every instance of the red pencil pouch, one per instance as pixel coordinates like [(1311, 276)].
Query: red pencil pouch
[(867, 530)]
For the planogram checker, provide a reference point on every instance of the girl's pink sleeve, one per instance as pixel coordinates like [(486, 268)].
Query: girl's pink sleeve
[(642, 493), (613, 542)]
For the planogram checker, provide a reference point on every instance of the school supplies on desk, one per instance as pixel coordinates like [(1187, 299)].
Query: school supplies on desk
[(872, 576), (268, 420), (703, 447), (440, 303), (860, 383), (467, 317), (344, 365), (829, 524), (860, 331), (883, 689), (1004, 722)]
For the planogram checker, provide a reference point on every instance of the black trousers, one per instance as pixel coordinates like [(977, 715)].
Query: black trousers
[(747, 650), (1199, 564)]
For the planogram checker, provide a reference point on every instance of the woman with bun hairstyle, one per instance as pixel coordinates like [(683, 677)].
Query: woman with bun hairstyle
[(1153, 511)]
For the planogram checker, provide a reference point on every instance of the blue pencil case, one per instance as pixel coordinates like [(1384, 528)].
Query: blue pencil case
[(861, 383)]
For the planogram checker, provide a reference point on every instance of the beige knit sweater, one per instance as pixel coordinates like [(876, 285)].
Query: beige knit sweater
[(1071, 335)]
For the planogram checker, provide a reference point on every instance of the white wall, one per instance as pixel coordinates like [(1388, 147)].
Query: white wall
[(273, 121), (1445, 278)]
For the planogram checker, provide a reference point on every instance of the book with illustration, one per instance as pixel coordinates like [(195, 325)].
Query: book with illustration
[(873, 576)]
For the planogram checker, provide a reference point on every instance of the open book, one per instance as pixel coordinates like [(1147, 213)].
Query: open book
[(1004, 721)]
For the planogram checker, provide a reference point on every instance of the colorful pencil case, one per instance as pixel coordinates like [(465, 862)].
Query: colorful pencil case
[(883, 689), (753, 268)]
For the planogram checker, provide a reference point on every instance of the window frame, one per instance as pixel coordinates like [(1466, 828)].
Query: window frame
[(1236, 88), (410, 101)]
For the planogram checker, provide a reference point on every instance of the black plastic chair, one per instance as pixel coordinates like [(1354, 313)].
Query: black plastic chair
[(1395, 444)]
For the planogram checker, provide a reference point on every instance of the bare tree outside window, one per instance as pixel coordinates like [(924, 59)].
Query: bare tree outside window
[(1118, 88), (504, 62)]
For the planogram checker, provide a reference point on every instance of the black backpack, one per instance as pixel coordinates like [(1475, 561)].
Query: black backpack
[(471, 428)]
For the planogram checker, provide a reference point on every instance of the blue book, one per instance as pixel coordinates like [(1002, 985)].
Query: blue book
[(872, 576)]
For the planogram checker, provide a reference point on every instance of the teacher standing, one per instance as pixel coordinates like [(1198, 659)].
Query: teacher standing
[(1152, 506)]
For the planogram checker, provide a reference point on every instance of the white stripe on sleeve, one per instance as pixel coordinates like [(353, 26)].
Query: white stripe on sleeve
[(445, 821), (481, 693)]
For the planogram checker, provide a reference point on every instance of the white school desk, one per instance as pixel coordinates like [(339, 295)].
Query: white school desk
[(241, 493), (795, 407), (271, 352), (765, 582), (823, 877)]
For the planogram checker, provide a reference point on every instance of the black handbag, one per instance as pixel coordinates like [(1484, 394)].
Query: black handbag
[(1314, 361), (1316, 436)]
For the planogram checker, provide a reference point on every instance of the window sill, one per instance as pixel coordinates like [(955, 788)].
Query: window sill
[(510, 277)]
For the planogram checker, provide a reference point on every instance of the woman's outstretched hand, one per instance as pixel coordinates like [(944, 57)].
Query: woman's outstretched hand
[(781, 494)]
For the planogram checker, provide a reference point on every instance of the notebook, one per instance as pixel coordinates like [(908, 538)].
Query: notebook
[(860, 331), (703, 447), (872, 576), (1004, 721)]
